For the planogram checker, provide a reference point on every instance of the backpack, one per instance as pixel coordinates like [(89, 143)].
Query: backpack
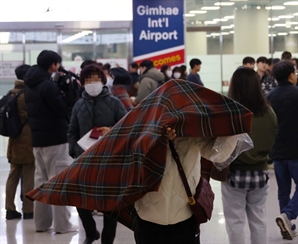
[(10, 122)]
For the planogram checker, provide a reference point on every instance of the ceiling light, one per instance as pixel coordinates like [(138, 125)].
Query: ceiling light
[(280, 25), (226, 27), (209, 22), (232, 32), (286, 16), (225, 33), (229, 17), (215, 34), (291, 3), (271, 35), (293, 23), (293, 32), (258, 7), (197, 12), (223, 20), (238, 0), (275, 7), (295, 14), (296, 28), (224, 4), (273, 19), (210, 8), (189, 15), (282, 34)]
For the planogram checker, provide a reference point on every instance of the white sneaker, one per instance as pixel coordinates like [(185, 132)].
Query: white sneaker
[(285, 226), (72, 229)]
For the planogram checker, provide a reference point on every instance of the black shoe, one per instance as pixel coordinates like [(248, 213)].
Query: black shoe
[(11, 214), (90, 240), (27, 215)]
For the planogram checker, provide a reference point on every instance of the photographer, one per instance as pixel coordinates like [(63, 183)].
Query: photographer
[(69, 87), (47, 114)]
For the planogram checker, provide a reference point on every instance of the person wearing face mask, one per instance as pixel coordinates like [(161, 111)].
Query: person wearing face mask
[(97, 108), (167, 71), (176, 73), (149, 80)]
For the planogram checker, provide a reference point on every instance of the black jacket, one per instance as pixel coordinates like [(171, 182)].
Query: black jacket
[(88, 112), (47, 111), (284, 101)]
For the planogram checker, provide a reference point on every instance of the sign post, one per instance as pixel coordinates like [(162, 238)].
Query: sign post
[(158, 32)]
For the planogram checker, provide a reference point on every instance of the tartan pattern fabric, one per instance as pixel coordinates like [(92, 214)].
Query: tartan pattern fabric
[(129, 160), (124, 93), (249, 180)]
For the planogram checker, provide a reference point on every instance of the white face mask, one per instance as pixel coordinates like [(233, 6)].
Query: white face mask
[(169, 73), (94, 89), (176, 75), (139, 71)]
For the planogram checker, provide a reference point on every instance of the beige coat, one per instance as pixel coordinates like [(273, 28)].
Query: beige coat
[(19, 150)]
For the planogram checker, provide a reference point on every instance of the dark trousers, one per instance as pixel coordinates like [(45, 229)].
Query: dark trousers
[(183, 232), (109, 226)]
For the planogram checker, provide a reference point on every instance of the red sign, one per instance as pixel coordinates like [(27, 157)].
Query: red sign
[(171, 59)]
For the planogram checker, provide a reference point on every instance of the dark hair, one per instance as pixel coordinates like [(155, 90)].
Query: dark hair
[(147, 63), (164, 68), (272, 61), (87, 62), (246, 89), (183, 69), (176, 69), (106, 66), (46, 58), (21, 70), (282, 70), (262, 59), (120, 76), (296, 61), (194, 62), (286, 55), (134, 65), (248, 60), (92, 70)]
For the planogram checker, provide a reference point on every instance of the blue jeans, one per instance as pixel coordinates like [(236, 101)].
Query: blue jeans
[(285, 171)]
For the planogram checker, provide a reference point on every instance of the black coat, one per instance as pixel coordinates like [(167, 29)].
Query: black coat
[(89, 112), (47, 111), (284, 101)]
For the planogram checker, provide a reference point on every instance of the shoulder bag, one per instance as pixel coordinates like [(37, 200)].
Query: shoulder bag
[(201, 203)]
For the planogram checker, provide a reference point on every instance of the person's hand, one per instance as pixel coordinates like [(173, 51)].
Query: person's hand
[(170, 133), (104, 129)]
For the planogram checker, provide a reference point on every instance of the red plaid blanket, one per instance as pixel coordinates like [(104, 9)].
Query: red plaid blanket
[(129, 160), (124, 92)]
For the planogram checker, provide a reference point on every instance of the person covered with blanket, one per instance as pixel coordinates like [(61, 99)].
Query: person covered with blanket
[(97, 108), (245, 192), (126, 172), (164, 216), (122, 87)]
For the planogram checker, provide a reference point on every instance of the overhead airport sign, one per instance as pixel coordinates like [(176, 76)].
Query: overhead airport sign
[(158, 31)]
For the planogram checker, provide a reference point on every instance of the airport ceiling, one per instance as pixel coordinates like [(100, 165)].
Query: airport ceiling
[(286, 9)]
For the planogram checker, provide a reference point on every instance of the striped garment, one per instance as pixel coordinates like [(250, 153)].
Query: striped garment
[(129, 160), (124, 92)]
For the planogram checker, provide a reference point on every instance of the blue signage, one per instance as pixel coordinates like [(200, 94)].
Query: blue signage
[(157, 25)]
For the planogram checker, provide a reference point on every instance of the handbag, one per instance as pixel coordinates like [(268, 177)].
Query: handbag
[(201, 204)]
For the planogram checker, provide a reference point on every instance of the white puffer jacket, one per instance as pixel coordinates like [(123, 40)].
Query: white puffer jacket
[(169, 205)]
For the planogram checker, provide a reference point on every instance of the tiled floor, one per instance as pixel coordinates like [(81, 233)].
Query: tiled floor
[(213, 232)]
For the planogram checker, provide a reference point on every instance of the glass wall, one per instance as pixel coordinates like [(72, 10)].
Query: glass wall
[(247, 28)]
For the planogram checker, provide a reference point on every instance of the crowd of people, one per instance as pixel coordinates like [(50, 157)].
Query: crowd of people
[(48, 145)]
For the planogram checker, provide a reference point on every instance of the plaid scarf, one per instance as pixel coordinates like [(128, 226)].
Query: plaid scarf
[(129, 160), (124, 93)]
